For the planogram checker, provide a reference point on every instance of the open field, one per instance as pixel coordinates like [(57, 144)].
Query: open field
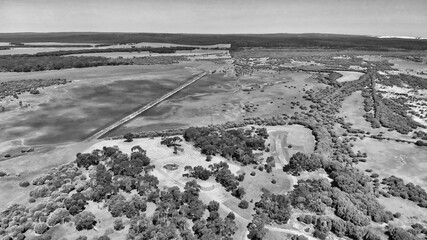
[(285, 141), (349, 76), (411, 213), (88, 103), (418, 69), (219, 98), (28, 166), (387, 158), (200, 104), (352, 111)]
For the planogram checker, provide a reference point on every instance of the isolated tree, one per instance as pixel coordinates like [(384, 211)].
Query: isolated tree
[(118, 224), (84, 220), (243, 204), (213, 206), (60, 215), (128, 137), (256, 228), (239, 192), (40, 227)]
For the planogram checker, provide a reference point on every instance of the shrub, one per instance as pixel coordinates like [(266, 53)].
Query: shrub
[(20, 236), (118, 224), (104, 237), (320, 235), (24, 184), (374, 175), (84, 220), (128, 137), (60, 215), (81, 238), (243, 204), (213, 206), (40, 228)]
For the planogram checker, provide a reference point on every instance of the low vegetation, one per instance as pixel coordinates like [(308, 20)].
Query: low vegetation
[(14, 88)]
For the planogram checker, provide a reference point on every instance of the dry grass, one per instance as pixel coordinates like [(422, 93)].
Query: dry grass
[(352, 111), (348, 76), (411, 212), (387, 158)]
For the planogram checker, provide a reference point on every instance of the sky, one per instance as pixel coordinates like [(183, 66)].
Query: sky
[(363, 17)]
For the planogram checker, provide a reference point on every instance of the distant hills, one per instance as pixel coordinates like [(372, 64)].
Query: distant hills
[(281, 40)]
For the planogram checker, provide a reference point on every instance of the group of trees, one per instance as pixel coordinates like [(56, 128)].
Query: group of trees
[(118, 206), (236, 144), (348, 196), (323, 225), (103, 182), (109, 50), (30, 63), (396, 187), (300, 162), (171, 141), (222, 174), (11, 88), (396, 233), (391, 113), (276, 207), (174, 208)]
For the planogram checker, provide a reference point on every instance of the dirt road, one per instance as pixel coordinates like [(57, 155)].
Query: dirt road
[(144, 108)]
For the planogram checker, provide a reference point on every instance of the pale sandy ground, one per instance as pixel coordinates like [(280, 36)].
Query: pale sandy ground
[(402, 66), (416, 99), (348, 76), (352, 111), (28, 166)]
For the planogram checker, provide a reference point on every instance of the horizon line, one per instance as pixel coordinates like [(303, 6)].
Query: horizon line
[(265, 33)]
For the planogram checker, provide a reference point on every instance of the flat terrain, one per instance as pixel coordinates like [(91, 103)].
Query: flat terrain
[(188, 53), (94, 98), (352, 111), (387, 158), (273, 88), (218, 98), (348, 76), (285, 141)]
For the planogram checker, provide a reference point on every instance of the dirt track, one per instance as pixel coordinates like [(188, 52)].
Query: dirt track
[(144, 108)]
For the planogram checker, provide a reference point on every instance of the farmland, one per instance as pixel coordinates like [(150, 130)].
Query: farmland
[(271, 140)]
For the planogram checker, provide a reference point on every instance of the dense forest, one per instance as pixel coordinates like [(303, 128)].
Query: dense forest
[(326, 41), (30, 63)]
